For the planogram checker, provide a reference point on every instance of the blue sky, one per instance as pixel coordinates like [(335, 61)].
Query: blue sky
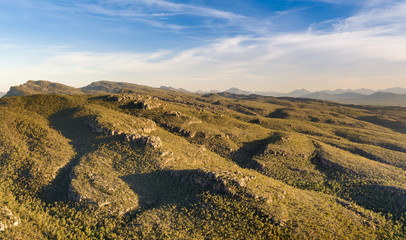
[(278, 45)]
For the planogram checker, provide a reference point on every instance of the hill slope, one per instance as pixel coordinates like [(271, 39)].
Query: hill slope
[(37, 87), (162, 164), (46, 87)]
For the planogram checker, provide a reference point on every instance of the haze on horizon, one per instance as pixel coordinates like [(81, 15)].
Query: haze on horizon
[(254, 45)]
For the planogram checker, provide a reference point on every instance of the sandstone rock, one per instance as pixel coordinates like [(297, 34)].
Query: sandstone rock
[(145, 104)]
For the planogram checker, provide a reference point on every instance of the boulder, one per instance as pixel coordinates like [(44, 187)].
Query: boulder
[(7, 219)]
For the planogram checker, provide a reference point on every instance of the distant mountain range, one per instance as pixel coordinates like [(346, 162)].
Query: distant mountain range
[(306, 93), (2, 94), (386, 97)]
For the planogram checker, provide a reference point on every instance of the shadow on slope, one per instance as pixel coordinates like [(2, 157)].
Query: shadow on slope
[(379, 198), (350, 185), (397, 126), (83, 141), (164, 187), (244, 155)]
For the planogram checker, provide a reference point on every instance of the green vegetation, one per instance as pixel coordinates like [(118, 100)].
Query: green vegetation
[(148, 163)]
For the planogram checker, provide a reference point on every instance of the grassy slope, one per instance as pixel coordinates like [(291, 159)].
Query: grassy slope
[(253, 167)]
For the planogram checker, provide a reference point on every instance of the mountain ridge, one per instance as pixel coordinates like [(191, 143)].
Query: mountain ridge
[(394, 97), (302, 92), (348, 96)]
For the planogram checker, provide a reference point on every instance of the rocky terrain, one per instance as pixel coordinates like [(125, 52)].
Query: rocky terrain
[(143, 163)]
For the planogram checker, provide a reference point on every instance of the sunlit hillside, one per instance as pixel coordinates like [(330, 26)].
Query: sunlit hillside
[(145, 163)]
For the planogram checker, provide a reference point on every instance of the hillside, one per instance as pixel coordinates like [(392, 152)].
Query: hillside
[(147, 163), (46, 87), (37, 87)]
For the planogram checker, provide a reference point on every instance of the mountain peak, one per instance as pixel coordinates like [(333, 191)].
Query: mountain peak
[(41, 86), (238, 91)]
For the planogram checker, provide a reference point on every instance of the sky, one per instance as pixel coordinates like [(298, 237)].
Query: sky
[(256, 45)]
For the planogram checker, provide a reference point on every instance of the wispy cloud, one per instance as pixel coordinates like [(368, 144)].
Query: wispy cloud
[(287, 61), (156, 13), (388, 17), (367, 48), (188, 9), (161, 14), (365, 3)]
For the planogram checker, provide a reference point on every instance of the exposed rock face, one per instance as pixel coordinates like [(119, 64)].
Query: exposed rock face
[(145, 104), (98, 127), (176, 129), (138, 101), (198, 105), (154, 142), (120, 98), (7, 219), (181, 129), (42, 87), (218, 181), (14, 91), (231, 183), (187, 120)]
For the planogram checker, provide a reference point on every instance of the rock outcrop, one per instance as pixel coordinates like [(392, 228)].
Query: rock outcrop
[(129, 136), (145, 104), (137, 101), (227, 182), (7, 219), (152, 141)]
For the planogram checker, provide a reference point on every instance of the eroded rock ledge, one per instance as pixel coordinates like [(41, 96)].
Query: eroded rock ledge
[(137, 101), (228, 182), (129, 136), (235, 184)]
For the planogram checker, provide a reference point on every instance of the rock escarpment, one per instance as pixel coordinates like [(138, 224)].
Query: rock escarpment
[(129, 135), (136, 101)]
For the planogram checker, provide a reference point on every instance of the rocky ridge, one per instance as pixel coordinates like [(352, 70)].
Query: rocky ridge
[(129, 135)]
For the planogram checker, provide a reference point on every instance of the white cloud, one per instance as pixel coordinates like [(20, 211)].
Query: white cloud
[(188, 9), (365, 50), (156, 13), (362, 58), (388, 17)]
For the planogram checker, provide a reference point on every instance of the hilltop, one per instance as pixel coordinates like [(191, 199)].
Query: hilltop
[(46, 87), (36, 87), (136, 162)]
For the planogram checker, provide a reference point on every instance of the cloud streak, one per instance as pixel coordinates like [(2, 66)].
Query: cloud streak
[(156, 13), (367, 49), (307, 59)]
